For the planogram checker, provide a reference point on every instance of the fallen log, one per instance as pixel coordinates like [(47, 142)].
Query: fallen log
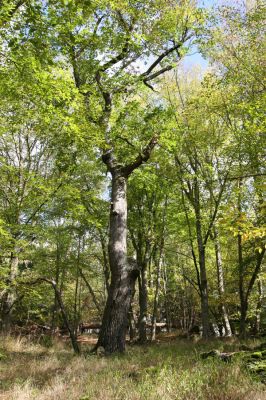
[(254, 360), (227, 357)]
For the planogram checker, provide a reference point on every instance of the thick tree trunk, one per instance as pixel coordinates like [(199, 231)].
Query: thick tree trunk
[(115, 318), (220, 277), (123, 274)]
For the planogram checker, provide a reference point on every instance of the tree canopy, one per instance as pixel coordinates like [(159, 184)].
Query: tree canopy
[(132, 190)]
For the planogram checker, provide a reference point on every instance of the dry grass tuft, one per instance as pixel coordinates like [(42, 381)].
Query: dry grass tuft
[(164, 371)]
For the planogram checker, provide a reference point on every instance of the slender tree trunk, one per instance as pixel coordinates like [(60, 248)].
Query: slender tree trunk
[(202, 264), (123, 274), (10, 295), (57, 275), (132, 324), (63, 311), (158, 271), (143, 291), (243, 298), (142, 247), (75, 311), (242, 322), (204, 297), (258, 309), (156, 297), (220, 277), (75, 308), (167, 312), (93, 296), (106, 269), (65, 319), (143, 303)]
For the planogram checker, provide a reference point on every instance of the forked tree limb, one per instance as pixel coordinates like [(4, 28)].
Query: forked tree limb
[(142, 157)]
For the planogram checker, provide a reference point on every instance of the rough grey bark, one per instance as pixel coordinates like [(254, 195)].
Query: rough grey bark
[(220, 277), (124, 272)]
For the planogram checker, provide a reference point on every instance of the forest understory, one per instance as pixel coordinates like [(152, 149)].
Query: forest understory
[(172, 368), (132, 200)]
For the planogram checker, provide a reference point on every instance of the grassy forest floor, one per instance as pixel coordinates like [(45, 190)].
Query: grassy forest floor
[(166, 370)]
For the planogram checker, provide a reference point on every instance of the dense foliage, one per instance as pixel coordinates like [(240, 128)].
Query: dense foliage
[(92, 88)]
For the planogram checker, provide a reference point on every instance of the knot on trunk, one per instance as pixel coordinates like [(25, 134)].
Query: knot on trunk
[(133, 267)]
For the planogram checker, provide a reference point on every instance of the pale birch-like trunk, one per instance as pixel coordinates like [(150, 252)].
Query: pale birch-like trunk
[(10, 296), (220, 277)]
